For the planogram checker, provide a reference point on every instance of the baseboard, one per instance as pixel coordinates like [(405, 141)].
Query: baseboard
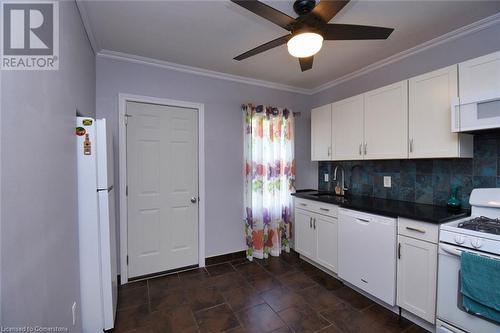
[(219, 259)]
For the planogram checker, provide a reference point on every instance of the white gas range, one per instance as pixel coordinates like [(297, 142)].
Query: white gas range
[(480, 234)]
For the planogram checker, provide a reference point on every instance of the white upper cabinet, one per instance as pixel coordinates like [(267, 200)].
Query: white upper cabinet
[(480, 78), (386, 122), (429, 114), (347, 127), (321, 133)]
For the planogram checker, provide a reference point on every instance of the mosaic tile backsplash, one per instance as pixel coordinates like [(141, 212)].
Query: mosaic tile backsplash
[(426, 181)]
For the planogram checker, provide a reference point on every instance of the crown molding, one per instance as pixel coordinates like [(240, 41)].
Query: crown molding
[(94, 42), (460, 32), (199, 71)]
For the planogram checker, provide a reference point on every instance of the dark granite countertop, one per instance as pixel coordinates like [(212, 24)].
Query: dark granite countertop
[(386, 207)]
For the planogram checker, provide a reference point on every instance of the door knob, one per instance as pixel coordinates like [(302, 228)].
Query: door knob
[(193, 200)]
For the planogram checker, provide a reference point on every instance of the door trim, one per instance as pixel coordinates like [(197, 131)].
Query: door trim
[(122, 153)]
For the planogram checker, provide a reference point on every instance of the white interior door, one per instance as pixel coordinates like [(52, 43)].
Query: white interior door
[(162, 180)]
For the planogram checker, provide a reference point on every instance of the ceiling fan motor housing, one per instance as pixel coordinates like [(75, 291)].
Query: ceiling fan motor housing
[(303, 7)]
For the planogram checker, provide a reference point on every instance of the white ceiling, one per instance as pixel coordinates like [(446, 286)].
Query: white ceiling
[(208, 34)]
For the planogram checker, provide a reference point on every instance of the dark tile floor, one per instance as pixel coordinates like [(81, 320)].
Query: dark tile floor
[(283, 294)]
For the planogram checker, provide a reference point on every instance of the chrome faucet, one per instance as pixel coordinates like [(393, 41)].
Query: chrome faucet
[(342, 185)]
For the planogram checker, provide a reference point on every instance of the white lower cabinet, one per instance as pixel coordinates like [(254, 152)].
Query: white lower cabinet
[(326, 245), (305, 237), (316, 233), (417, 275)]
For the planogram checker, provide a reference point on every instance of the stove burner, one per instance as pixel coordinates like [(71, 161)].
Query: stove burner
[(482, 224)]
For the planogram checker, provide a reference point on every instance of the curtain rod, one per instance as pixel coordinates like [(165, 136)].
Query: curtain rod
[(245, 106)]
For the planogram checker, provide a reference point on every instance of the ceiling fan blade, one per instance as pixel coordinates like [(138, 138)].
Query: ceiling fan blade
[(306, 63), (327, 9), (264, 47), (267, 12), (355, 32)]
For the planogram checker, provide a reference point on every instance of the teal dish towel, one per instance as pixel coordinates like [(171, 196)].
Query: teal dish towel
[(480, 285)]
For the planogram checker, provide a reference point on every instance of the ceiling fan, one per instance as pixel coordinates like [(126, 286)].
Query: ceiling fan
[(308, 31)]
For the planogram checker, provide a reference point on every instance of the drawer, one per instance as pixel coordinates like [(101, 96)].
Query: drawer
[(417, 229), (317, 207)]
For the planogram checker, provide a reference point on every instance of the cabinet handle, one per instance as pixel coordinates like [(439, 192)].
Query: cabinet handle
[(325, 209), (411, 145), (310, 222), (363, 220), (314, 224), (416, 230), (399, 250), (329, 151), (303, 204), (366, 150), (360, 148)]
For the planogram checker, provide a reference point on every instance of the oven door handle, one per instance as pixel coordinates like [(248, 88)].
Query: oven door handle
[(450, 249)]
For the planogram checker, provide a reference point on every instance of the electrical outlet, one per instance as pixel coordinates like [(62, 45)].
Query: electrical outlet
[(387, 181), (73, 312), (326, 177)]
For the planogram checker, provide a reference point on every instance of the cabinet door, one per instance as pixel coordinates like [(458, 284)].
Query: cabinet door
[(480, 78), (347, 129), (305, 238), (326, 233), (417, 267), (386, 122), (321, 133), (430, 98)]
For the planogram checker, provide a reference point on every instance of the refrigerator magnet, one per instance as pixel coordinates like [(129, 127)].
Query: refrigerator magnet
[(80, 131), (87, 122), (87, 146)]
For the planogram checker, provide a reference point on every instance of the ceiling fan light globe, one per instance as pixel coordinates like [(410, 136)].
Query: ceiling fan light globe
[(305, 44)]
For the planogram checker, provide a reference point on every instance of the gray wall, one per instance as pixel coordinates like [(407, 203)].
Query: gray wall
[(474, 45), (39, 239), (223, 134)]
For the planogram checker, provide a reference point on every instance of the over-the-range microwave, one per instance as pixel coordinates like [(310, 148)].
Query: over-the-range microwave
[(480, 113)]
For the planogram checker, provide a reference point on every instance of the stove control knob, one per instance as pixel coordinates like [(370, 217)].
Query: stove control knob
[(459, 239), (476, 243)]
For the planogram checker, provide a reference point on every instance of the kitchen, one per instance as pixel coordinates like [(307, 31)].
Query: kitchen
[(250, 166)]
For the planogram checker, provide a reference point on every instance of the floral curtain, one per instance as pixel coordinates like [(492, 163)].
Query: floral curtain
[(269, 179)]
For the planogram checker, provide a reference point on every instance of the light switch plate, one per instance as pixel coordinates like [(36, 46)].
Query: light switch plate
[(326, 177), (387, 181)]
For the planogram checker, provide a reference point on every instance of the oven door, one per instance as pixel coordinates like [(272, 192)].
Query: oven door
[(449, 301)]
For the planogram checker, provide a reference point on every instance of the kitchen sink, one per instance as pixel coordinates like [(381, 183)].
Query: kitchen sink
[(331, 196)]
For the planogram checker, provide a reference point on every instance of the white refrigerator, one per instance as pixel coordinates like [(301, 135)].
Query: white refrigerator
[(96, 225)]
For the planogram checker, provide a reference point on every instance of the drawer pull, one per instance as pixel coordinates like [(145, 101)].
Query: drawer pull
[(325, 209), (363, 220), (364, 280), (303, 204), (416, 230)]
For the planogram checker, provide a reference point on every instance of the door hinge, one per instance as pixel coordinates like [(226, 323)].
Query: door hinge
[(125, 119)]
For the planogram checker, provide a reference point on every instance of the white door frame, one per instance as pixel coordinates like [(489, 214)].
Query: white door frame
[(122, 150)]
